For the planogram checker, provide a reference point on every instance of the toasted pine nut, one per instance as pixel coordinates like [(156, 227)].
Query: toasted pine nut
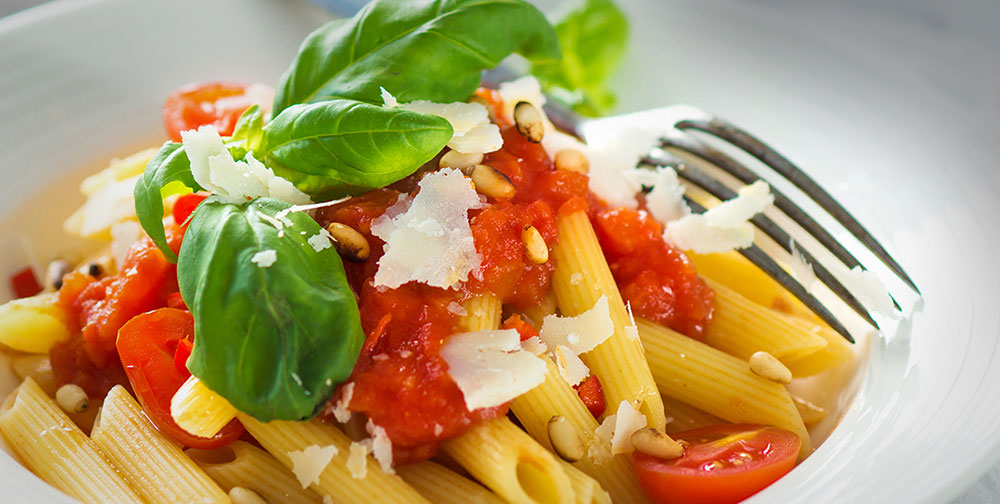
[(455, 159), (351, 244), (572, 160), (565, 439), (489, 108), (534, 245), (72, 399), (492, 182), (241, 495), (54, 274), (528, 120), (656, 443), (769, 367), (810, 413)]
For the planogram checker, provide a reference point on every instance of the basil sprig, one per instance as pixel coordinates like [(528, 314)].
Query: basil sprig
[(417, 49), (272, 340), (170, 164)]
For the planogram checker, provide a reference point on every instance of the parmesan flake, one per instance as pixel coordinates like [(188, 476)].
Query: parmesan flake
[(321, 240), (340, 407), (490, 367), (724, 227), (381, 446), (581, 333), (309, 463), (357, 460), (470, 122), (570, 367), (265, 258), (627, 422)]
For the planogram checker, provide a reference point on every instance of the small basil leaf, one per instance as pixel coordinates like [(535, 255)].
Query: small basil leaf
[(343, 147), (249, 128), (418, 50), (273, 340), (170, 164), (592, 35)]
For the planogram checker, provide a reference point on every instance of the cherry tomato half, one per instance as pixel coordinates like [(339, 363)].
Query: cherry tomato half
[(721, 464), (186, 205), (24, 284), (218, 103), (148, 345)]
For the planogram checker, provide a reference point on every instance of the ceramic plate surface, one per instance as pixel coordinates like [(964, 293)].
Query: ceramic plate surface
[(891, 105)]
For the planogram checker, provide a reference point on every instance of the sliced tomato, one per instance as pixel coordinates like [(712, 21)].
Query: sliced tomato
[(185, 206), (148, 345), (217, 103), (592, 395), (721, 464), (24, 284)]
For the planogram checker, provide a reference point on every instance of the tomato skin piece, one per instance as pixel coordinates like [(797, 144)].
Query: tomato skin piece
[(202, 103), (186, 205), (592, 395), (768, 454), (24, 283), (148, 345)]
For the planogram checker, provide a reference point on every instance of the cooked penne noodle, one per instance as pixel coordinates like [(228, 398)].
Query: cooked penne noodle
[(555, 397), (33, 324), (153, 463), (740, 327), (581, 277), (739, 274), (39, 368), (837, 352), (586, 489), (242, 464), (280, 438), (511, 463), (482, 313), (684, 417), (718, 383), (441, 485), (198, 410), (55, 449), (537, 313)]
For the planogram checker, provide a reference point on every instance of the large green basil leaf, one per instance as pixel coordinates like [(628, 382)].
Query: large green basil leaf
[(344, 147), (592, 35), (417, 49), (273, 340), (170, 164)]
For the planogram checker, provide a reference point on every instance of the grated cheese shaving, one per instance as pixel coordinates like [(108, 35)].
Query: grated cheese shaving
[(632, 330), (473, 131), (357, 460), (388, 101), (428, 239), (724, 227), (381, 446), (570, 367), (309, 463), (801, 269), (627, 422), (321, 240), (123, 235), (265, 258), (534, 345), (490, 367), (581, 333), (339, 409), (869, 290), (665, 202), (599, 449)]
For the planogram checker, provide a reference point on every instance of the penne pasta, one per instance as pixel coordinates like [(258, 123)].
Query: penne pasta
[(742, 276), (581, 277), (55, 449), (198, 410), (740, 327), (836, 353), (718, 383), (585, 488), (684, 417), (441, 485), (482, 313), (280, 438), (242, 464), (33, 324), (153, 463), (511, 463)]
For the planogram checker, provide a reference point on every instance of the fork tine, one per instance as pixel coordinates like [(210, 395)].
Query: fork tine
[(719, 190), (785, 168), (775, 271)]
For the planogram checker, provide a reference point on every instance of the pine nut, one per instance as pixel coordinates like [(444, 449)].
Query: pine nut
[(769, 367), (72, 399), (810, 413), (534, 245), (351, 244), (565, 439), (455, 159), (656, 443), (572, 160), (54, 274), (241, 495), (528, 120), (492, 182)]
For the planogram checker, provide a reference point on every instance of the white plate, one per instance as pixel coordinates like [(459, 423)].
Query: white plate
[(891, 106)]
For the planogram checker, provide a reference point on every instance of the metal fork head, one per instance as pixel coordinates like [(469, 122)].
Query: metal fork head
[(679, 139)]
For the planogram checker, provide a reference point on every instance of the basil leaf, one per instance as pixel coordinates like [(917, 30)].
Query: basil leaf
[(272, 340), (592, 35), (344, 147), (170, 164), (248, 131), (418, 50)]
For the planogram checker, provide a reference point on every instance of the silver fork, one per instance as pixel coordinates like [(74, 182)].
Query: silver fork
[(678, 137)]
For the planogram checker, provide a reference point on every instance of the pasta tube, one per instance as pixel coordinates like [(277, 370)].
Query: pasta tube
[(581, 277), (742, 276), (440, 485), (33, 324), (718, 383), (684, 417), (153, 463), (242, 464), (198, 410), (55, 449)]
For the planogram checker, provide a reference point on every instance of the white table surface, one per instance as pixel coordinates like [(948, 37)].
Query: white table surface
[(955, 20)]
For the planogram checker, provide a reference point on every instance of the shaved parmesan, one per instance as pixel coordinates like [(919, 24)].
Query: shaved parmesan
[(110, 203), (869, 290), (570, 367), (321, 240), (627, 421), (665, 201), (599, 449), (309, 463), (381, 446), (388, 101), (339, 408), (581, 333), (801, 269), (724, 227), (214, 168), (357, 460), (490, 367), (473, 131), (327, 499), (265, 258), (632, 330), (524, 89), (428, 239), (534, 345), (123, 235)]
